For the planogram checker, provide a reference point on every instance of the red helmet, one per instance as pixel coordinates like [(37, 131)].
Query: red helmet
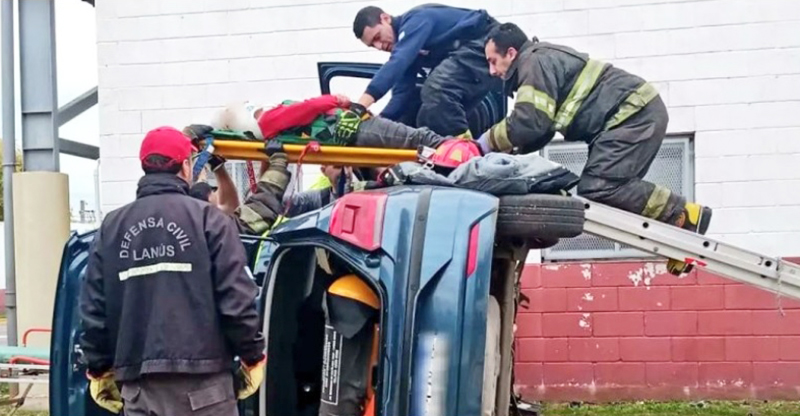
[(453, 152)]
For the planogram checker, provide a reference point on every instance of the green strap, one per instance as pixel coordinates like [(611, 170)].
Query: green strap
[(635, 102), (580, 90), (539, 99)]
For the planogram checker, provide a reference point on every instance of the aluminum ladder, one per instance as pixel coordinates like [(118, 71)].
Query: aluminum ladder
[(769, 273)]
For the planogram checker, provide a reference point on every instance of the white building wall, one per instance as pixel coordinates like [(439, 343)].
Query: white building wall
[(729, 70)]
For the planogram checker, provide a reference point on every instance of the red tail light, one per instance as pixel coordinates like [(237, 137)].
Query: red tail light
[(472, 250), (358, 219)]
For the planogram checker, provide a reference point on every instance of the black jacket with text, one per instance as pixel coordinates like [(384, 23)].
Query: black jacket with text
[(167, 288)]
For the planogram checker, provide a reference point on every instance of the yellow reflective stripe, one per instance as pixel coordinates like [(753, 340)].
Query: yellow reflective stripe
[(252, 219), (583, 86), (657, 202), (498, 138), (155, 268), (279, 220), (635, 102), (540, 100)]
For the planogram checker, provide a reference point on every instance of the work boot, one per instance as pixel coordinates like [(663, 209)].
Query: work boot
[(694, 218)]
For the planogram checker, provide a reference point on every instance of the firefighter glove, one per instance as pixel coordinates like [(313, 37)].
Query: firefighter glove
[(273, 146), (104, 391), (197, 132), (347, 126), (215, 161), (250, 377)]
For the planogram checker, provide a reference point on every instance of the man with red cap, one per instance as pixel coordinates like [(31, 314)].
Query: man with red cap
[(168, 302)]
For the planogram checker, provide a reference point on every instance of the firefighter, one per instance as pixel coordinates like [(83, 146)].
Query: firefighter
[(350, 354), (619, 115), (169, 302), (448, 41)]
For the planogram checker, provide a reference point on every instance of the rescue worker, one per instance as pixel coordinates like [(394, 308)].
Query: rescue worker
[(619, 115), (168, 301), (446, 40)]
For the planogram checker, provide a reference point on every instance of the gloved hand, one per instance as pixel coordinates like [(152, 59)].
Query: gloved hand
[(104, 391), (215, 161), (251, 377), (347, 126), (197, 132), (273, 146)]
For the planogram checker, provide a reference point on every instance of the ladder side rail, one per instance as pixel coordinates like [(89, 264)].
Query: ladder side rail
[(769, 273)]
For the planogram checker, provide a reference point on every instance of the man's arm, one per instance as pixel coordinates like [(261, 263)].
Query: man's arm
[(235, 290), (530, 125), (261, 209), (226, 190), (284, 117), (401, 95), (94, 338), (412, 37)]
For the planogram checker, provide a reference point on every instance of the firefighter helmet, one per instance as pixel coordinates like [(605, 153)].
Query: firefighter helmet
[(351, 286), (453, 152)]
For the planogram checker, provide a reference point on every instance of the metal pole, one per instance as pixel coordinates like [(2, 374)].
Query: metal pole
[(9, 163)]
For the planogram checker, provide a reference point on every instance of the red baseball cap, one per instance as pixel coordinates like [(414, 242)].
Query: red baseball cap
[(168, 142)]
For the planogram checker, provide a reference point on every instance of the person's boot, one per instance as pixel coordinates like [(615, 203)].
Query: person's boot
[(694, 218)]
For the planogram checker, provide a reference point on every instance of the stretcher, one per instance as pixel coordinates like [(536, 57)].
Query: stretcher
[(234, 146), (768, 273)]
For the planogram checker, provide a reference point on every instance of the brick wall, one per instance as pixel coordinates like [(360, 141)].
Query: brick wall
[(629, 330)]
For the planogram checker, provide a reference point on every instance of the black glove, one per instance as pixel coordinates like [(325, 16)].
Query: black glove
[(347, 126), (197, 132), (215, 161), (273, 146)]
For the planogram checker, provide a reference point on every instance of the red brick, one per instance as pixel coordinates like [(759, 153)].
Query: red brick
[(546, 300), (778, 373), (670, 323), (618, 324), (698, 349), (592, 299), (528, 374), (697, 298), (789, 348), (567, 275), (672, 374), (542, 350), (705, 278), (568, 373), (752, 349), (726, 374), (619, 374), (531, 276), (773, 323), (594, 349), (613, 274), (644, 298), (644, 349), (529, 325), (748, 297), (567, 324), (725, 323)]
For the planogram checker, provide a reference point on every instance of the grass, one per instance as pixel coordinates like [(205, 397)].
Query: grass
[(702, 408)]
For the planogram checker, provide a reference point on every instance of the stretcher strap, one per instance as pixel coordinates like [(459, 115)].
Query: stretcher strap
[(312, 147), (203, 157), (251, 176)]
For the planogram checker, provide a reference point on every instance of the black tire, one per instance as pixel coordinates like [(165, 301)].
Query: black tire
[(543, 218)]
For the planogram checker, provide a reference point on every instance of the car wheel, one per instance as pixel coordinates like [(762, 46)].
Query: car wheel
[(540, 218)]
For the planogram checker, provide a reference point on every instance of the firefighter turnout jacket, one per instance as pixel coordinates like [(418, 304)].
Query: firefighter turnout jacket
[(561, 90)]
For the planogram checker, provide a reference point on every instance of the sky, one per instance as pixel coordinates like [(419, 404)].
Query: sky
[(76, 65)]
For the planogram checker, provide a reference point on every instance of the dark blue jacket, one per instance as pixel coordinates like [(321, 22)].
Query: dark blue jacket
[(432, 28)]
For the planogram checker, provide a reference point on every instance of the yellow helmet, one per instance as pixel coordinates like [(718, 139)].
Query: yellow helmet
[(351, 287)]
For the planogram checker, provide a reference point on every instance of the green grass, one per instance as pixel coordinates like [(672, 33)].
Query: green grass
[(703, 408)]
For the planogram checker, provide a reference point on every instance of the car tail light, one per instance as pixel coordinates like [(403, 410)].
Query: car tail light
[(358, 219), (472, 249)]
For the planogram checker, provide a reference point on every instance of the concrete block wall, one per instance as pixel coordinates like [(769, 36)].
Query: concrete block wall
[(630, 330)]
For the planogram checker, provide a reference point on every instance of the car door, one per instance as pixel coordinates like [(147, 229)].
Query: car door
[(68, 384), (489, 112)]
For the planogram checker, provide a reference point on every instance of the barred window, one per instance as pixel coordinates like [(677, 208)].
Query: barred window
[(673, 167)]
